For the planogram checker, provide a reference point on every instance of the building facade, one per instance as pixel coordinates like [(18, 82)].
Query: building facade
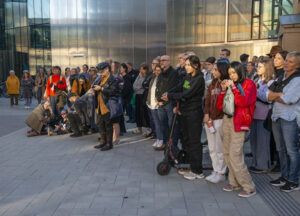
[(41, 33), (206, 26)]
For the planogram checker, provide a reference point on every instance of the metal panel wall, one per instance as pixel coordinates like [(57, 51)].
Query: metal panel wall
[(90, 31)]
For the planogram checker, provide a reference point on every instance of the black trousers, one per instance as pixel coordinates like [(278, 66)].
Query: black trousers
[(191, 127), (105, 128), (75, 122), (14, 99), (142, 116)]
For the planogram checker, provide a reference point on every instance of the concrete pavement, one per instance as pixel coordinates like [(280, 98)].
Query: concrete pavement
[(62, 176)]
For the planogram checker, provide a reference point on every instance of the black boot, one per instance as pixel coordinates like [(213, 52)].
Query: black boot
[(107, 147), (109, 144), (102, 142)]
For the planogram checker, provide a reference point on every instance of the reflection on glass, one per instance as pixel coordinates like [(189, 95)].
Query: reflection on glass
[(239, 20)]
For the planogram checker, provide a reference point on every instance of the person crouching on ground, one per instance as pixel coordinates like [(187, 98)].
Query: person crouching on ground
[(38, 119), (235, 126), (106, 88), (190, 97)]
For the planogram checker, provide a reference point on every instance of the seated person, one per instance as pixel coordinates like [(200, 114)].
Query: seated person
[(63, 126), (38, 119)]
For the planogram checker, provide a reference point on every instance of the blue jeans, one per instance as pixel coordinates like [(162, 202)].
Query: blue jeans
[(286, 139), (157, 125), (165, 115)]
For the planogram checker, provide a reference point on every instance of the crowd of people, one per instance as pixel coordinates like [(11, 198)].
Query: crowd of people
[(230, 100)]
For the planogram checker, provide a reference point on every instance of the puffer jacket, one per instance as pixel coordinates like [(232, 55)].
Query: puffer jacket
[(13, 85), (244, 105)]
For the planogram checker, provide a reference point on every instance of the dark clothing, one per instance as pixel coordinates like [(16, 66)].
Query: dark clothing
[(27, 86), (127, 89), (214, 89), (75, 122), (190, 94), (181, 73), (133, 74), (279, 73), (190, 97), (142, 115), (14, 99), (166, 81), (105, 128), (73, 77), (146, 85), (191, 126)]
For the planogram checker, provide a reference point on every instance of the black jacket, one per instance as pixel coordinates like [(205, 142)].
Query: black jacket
[(110, 89), (166, 81), (190, 94), (127, 89)]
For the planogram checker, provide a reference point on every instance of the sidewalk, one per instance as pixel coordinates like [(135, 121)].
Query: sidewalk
[(64, 176)]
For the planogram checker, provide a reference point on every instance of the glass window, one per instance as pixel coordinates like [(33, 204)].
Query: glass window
[(214, 21), (38, 11), (239, 20), (16, 13), (30, 9), (9, 15), (23, 14), (46, 11)]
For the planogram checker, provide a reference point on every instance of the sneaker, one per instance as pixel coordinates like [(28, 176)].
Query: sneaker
[(246, 194), (278, 182), (289, 187), (230, 188), (160, 146), (255, 170), (192, 176), (183, 171), (208, 178), (155, 144), (217, 178)]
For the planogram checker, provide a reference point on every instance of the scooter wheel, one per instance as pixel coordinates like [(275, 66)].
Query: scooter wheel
[(163, 168)]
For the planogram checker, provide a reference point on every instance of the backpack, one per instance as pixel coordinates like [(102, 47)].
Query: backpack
[(279, 84)]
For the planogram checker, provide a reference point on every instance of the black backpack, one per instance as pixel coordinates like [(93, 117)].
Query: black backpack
[(279, 84)]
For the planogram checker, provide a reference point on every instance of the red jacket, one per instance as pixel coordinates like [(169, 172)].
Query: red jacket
[(54, 82), (244, 105)]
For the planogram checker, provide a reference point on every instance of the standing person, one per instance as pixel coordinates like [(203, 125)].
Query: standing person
[(85, 73), (133, 75), (224, 54), (190, 97), (27, 84), (234, 128), (118, 119), (40, 84), (213, 121), (152, 104), (167, 80), (55, 83), (251, 71), (286, 123), (67, 76), (127, 91), (279, 59), (141, 115), (13, 88), (207, 70), (105, 90), (259, 135)]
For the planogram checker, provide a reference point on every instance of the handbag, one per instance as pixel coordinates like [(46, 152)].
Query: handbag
[(228, 103), (115, 107)]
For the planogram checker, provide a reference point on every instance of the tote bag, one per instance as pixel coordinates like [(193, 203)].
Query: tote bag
[(228, 103)]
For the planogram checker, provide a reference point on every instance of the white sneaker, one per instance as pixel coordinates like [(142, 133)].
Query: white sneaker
[(217, 178), (159, 144), (155, 144), (183, 171), (192, 176), (212, 175)]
